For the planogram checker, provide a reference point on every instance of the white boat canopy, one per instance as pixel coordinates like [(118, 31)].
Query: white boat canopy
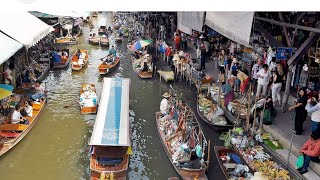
[(8, 47), (112, 127), (24, 27), (233, 25)]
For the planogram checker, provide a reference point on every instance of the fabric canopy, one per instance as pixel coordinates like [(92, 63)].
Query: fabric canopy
[(73, 14), (24, 27), (8, 47), (111, 127), (233, 25), (181, 27), (193, 20)]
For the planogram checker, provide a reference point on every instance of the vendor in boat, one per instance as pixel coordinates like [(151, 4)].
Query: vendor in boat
[(228, 92), (40, 91), (113, 51), (78, 53), (88, 99), (16, 117), (194, 162), (110, 29), (145, 65), (27, 109), (136, 55), (165, 104), (109, 59)]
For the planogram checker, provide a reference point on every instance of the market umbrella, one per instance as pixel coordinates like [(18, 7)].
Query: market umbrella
[(5, 90), (140, 44)]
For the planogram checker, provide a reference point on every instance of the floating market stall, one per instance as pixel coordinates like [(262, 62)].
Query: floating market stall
[(255, 151)]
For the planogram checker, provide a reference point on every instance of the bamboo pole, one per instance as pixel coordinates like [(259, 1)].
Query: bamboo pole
[(254, 115), (248, 110), (208, 159)]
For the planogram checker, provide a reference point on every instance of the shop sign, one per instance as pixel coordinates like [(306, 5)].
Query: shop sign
[(283, 53)]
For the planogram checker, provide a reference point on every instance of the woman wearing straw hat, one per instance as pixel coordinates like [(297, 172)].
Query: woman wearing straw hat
[(164, 105)]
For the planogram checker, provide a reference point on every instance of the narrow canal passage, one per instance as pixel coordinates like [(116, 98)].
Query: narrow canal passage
[(57, 147)]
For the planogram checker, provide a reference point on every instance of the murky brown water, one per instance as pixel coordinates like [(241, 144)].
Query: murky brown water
[(57, 147)]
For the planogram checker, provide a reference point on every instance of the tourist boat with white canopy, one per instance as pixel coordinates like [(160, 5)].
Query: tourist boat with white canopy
[(110, 141)]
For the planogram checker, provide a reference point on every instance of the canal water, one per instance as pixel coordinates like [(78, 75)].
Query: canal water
[(57, 147)]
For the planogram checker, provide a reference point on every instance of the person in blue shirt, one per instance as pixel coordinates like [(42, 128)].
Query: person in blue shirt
[(113, 51)]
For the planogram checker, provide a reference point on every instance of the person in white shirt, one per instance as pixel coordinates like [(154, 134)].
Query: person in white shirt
[(313, 107), (16, 117), (263, 80), (270, 55), (40, 91), (164, 105), (28, 108)]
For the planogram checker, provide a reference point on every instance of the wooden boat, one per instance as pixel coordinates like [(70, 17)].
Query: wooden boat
[(110, 141), (220, 151), (65, 60), (66, 41), (186, 129), (12, 134), (75, 60), (216, 127), (91, 109), (137, 65), (105, 68), (94, 40), (104, 41)]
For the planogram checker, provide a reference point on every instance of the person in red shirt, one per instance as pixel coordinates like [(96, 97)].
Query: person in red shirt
[(310, 151), (168, 53), (177, 42)]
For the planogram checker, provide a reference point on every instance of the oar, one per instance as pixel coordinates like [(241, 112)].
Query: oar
[(71, 104)]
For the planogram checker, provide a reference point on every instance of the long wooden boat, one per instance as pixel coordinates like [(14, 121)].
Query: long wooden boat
[(12, 134), (105, 68), (94, 40), (216, 127), (186, 129), (137, 65), (66, 41), (90, 109), (75, 60), (222, 151), (110, 141), (104, 41), (65, 60)]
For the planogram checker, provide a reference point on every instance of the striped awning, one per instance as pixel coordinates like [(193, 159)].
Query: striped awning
[(112, 123)]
